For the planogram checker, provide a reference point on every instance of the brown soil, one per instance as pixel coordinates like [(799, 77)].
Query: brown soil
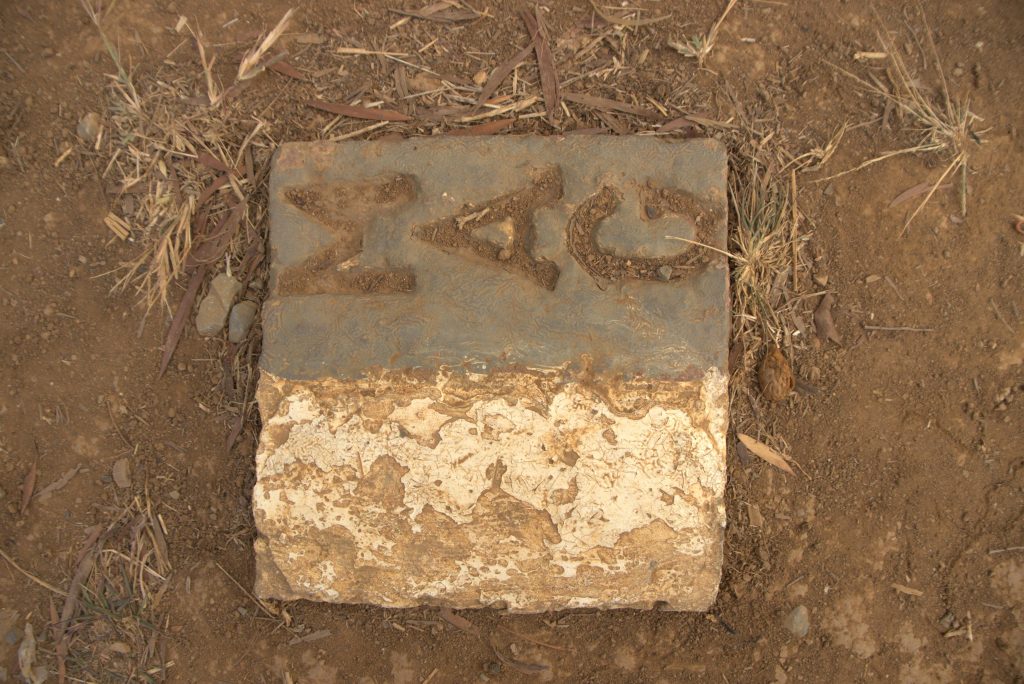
[(901, 534)]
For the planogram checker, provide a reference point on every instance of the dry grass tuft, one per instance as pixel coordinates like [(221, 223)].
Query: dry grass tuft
[(772, 293), (253, 63), (699, 47), (112, 627), (168, 136), (760, 240), (943, 125)]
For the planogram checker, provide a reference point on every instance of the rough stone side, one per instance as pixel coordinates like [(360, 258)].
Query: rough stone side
[(524, 489)]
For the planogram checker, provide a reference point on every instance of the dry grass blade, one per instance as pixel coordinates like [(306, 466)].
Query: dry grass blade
[(251, 66), (123, 78), (445, 12), (699, 47), (489, 128), (500, 74), (545, 62), (606, 104), (181, 316), (619, 20), (359, 112), (765, 452), (498, 111), (943, 125), (819, 156), (213, 91), (117, 225), (43, 583)]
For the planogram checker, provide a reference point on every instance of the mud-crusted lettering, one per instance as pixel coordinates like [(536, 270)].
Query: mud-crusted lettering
[(656, 203), (513, 215), (345, 210)]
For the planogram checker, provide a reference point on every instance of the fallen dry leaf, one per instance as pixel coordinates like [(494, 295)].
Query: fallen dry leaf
[(457, 621), (775, 375), (285, 69), (488, 128), (209, 161), (765, 452), (911, 193), (823, 323), (422, 82), (120, 473), (603, 103), (59, 484), (523, 666), (736, 352), (754, 516), (545, 62), (30, 672), (181, 316), (312, 636)]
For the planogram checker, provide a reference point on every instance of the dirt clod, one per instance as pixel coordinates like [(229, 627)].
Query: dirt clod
[(775, 375)]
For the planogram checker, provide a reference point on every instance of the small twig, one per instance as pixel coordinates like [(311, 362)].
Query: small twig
[(536, 641), (737, 257), (993, 552), (898, 328), (999, 314), (14, 61), (252, 598), (26, 573), (793, 228)]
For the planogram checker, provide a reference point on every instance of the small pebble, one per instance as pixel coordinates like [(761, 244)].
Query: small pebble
[(242, 316), (213, 310), (89, 128), (798, 622)]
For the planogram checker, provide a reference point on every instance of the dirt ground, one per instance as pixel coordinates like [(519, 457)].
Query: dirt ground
[(901, 533)]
